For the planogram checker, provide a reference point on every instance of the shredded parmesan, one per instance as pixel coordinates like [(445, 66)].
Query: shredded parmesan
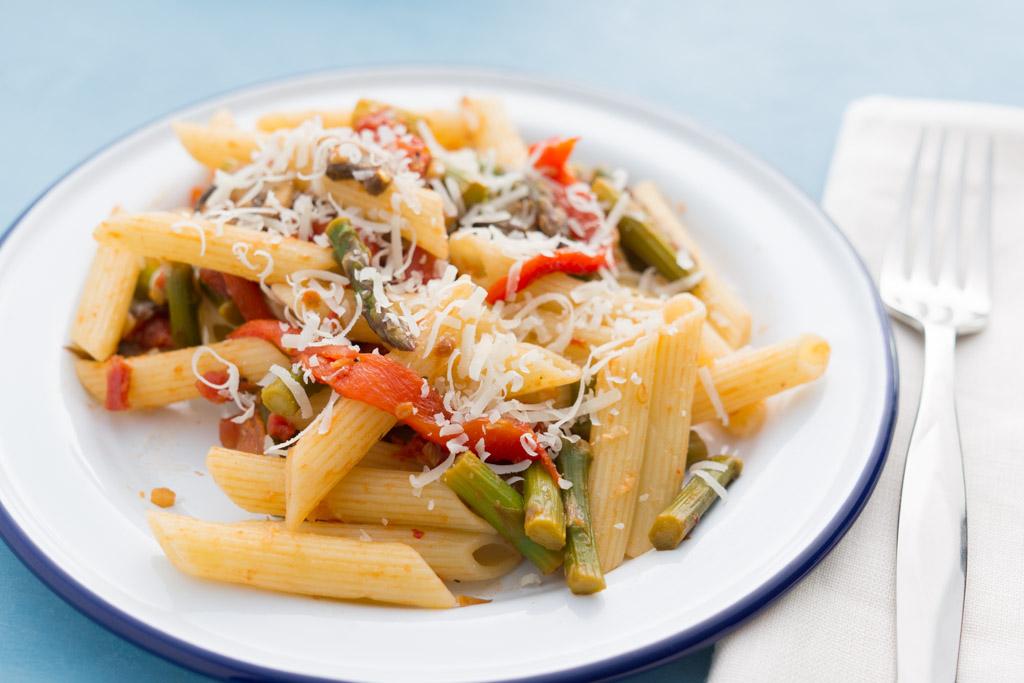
[(711, 482), (716, 401)]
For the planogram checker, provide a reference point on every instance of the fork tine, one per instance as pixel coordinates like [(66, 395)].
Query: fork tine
[(950, 248), (978, 283), (925, 243), (895, 263)]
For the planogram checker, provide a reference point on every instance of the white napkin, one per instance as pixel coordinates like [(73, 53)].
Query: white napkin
[(838, 624)]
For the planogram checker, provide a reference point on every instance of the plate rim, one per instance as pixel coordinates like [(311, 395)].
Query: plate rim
[(209, 662)]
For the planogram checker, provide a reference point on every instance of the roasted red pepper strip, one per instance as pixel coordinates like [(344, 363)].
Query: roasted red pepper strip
[(552, 158), (561, 261), (248, 297), (390, 386), (119, 381)]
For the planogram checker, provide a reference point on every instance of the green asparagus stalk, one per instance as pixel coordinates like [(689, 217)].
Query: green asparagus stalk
[(640, 239), (697, 450), (278, 398), (500, 505), (183, 306), (678, 519), (353, 256), (545, 517), (582, 568)]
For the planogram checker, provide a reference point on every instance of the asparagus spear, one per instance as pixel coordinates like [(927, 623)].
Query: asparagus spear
[(640, 239), (500, 505), (545, 517), (353, 256), (183, 306), (697, 450), (678, 519), (278, 398), (582, 568)]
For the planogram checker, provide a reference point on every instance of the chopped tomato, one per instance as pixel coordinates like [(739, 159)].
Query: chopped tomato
[(246, 294), (209, 393), (279, 428), (247, 436), (214, 280), (417, 533), (409, 143), (119, 380), (248, 297), (152, 333), (551, 157), (561, 261)]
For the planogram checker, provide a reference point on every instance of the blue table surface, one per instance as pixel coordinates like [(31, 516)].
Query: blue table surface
[(775, 76)]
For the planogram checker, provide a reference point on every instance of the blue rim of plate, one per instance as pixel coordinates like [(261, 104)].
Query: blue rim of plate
[(684, 642)]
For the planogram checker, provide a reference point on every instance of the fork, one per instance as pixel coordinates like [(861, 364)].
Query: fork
[(927, 282)]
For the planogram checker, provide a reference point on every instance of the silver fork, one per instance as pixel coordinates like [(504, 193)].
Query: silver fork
[(927, 282)]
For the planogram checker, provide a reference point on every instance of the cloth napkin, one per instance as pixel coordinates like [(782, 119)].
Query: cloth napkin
[(838, 624)]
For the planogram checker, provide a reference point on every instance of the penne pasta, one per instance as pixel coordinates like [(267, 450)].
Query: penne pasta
[(502, 313), (668, 427), (256, 483), (227, 248), (160, 379), (448, 127), (746, 377), (271, 557), (106, 296), (491, 131), (726, 312), (454, 555), (618, 438), (216, 146), (422, 211)]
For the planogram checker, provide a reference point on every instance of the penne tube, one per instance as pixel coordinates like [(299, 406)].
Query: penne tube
[(388, 456), (749, 376), (668, 427), (329, 118), (492, 131), (618, 438), (454, 555), (423, 217), (215, 146), (256, 483), (106, 297), (712, 346), (360, 332), (726, 312), (747, 420), (448, 127), (159, 379), (201, 243), (271, 557)]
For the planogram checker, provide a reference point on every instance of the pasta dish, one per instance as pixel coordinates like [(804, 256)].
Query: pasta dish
[(438, 351)]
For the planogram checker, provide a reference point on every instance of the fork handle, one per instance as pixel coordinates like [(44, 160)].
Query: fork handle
[(931, 550)]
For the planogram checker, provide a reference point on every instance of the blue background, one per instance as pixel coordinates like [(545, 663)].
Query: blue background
[(775, 76)]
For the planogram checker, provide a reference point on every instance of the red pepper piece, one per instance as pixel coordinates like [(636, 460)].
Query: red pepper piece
[(552, 158), (119, 380), (561, 261), (248, 297)]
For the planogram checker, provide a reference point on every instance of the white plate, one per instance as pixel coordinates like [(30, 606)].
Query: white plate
[(70, 474)]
